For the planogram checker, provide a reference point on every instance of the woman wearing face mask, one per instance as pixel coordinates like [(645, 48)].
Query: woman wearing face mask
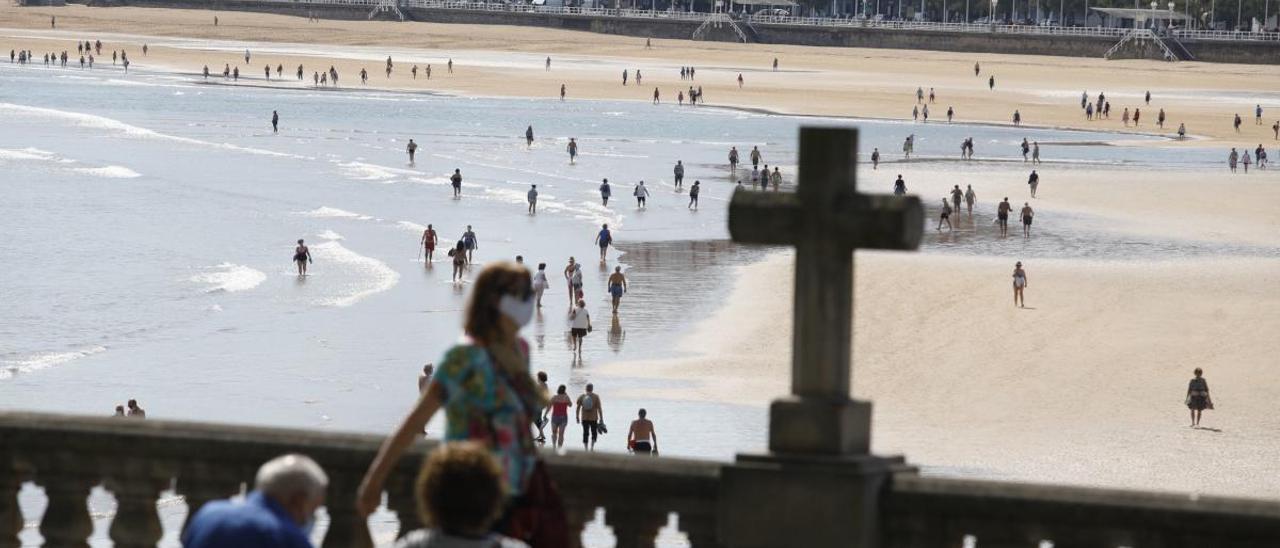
[(483, 384)]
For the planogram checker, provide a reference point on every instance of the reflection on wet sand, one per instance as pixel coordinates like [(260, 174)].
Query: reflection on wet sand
[(616, 335)]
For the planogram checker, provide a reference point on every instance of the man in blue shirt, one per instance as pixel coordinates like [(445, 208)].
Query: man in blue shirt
[(278, 513)]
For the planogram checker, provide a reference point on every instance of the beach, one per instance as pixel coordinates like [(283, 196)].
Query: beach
[(1147, 258)]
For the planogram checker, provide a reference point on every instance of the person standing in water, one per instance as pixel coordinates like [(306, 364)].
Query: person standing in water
[(429, 243), (956, 196), (970, 198), (580, 321), (568, 278), (275, 122), (1198, 397), (1027, 215), (899, 186), (573, 149), (693, 194), (1035, 152), (945, 216), (471, 243), (641, 193), (412, 149), (605, 192), (540, 284), (560, 404), (533, 200), (617, 286), (755, 156), (604, 239), (1033, 181), (1019, 283), (1002, 215), (456, 181), (679, 175), (733, 160), (875, 159), (459, 255), (301, 257), (528, 137)]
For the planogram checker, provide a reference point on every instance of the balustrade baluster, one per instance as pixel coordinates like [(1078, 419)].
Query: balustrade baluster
[(137, 523), (10, 513), (346, 528), (579, 515), (700, 530), (635, 527), (66, 522)]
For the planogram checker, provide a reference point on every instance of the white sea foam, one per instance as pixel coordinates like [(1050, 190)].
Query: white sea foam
[(230, 278), (326, 212), (372, 276), (110, 172), (329, 235), (93, 121), (369, 172), (12, 368), (26, 154), (411, 226)]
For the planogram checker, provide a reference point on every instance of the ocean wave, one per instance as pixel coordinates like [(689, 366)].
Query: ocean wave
[(93, 121), (230, 278), (371, 172), (110, 172), (26, 154), (30, 364), (326, 212), (412, 226), (374, 276), (330, 235)]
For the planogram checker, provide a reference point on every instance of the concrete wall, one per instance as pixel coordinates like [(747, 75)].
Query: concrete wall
[(1070, 46)]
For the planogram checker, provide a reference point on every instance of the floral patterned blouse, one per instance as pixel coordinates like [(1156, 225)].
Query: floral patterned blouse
[(482, 405)]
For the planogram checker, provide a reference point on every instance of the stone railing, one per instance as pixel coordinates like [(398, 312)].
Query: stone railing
[(137, 460)]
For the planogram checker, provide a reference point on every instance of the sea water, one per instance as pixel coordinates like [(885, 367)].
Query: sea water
[(149, 220)]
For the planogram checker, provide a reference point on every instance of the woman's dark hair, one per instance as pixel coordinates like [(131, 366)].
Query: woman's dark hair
[(542, 266), (496, 280), (460, 489), (561, 389), (542, 376)]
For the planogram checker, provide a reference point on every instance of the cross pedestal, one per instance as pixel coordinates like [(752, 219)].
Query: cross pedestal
[(819, 484)]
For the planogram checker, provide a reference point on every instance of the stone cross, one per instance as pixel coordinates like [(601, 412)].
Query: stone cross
[(825, 219)]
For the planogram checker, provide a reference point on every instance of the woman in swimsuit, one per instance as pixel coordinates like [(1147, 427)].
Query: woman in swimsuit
[(302, 256), (560, 404), (568, 279), (459, 255), (1019, 283)]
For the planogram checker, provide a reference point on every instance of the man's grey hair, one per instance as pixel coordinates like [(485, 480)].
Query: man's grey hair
[(288, 475)]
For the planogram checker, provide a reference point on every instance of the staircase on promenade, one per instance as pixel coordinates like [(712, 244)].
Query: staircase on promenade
[(718, 20)]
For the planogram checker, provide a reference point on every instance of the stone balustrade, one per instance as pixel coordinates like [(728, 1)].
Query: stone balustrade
[(137, 460)]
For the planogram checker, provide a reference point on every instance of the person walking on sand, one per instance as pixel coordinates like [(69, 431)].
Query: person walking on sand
[(1236, 123), (568, 279), (656, 95), (624, 76), (1002, 216), (1232, 159), (641, 193), (693, 195), (1035, 152), (755, 156), (1033, 181), (560, 404), (899, 186), (562, 91), (970, 198), (533, 200), (642, 439), (1019, 283), (459, 256), (572, 147), (1027, 214), (1160, 119), (428, 242), (605, 192), (617, 286), (604, 239), (956, 196), (1026, 148), (528, 137), (591, 415), (1275, 130), (412, 149), (991, 83), (301, 257), (1182, 131), (733, 160), (945, 216), (580, 325), (1257, 115), (679, 175), (275, 122), (1198, 396), (206, 73), (875, 159), (919, 95), (1245, 161), (739, 80), (471, 243), (951, 112), (456, 181)]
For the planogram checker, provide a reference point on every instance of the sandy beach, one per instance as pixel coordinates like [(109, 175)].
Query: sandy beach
[(1084, 387), (509, 61)]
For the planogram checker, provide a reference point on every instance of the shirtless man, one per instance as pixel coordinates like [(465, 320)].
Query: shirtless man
[(456, 181), (1002, 214), (1034, 182), (1027, 214), (302, 256), (733, 160), (412, 149), (642, 438), (617, 286), (956, 196), (429, 241), (970, 198)]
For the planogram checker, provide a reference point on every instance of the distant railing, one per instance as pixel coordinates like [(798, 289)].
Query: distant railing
[(136, 460)]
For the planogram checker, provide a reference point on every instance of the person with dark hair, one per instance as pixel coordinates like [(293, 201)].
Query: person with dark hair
[(1198, 397), (590, 415), (302, 256), (485, 388), (559, 405), (461, 494), (642, 438), (119, 412), (459, 256), (540, 283)]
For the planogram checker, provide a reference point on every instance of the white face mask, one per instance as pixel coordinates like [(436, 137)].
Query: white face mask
[(519, 310)]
